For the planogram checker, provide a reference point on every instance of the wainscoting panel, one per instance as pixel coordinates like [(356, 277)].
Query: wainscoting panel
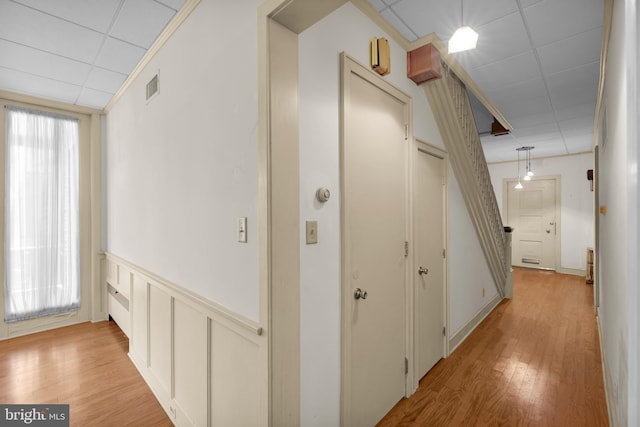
[(190, 363), (235, 367), (160, 342), (139, 342), (206, 365)]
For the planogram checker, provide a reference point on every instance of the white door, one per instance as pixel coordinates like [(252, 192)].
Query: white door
[(531, 211), (429, 261), (375, 152)]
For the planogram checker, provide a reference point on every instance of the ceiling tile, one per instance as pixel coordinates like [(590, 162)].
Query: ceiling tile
[(398, 24), (480, 12), (580, 110), (572, 52), (577, 126), (552, 20), (541, 119), (45, 32), (500, 75), (105, 80), (173, 4), (527, 3), (119, 56), (530, 91), (579, 143), (141, 21), (574, 87), (500, 39), (95, 14), (441, 17), (94, 98), (29, 84), (22, 58)]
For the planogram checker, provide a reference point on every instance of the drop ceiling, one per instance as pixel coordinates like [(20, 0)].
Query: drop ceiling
[(538, 61), (76, 51)]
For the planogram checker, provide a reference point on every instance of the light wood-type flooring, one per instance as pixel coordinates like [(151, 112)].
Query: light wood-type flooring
[(534, 361), (85, 366)]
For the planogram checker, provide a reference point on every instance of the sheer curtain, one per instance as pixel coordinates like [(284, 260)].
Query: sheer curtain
[(42, 238)]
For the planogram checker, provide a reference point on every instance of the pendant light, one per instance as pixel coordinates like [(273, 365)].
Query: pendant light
[(527, 163), (529, 170), (519, 184), (464, 38)]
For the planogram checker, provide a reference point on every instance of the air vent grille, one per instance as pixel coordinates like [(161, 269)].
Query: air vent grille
[(152, 87)]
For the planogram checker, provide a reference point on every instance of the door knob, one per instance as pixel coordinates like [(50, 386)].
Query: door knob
[(548, 231), (360, 294), (423, 270)]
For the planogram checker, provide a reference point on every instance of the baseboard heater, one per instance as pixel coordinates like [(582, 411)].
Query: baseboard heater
[(530, 261)]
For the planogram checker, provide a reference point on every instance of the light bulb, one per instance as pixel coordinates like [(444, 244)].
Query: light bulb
[(518, 186), (530, 173), (463, 39), (527, 178)]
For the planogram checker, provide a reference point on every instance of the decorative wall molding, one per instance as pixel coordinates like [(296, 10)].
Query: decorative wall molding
[(201, 360)]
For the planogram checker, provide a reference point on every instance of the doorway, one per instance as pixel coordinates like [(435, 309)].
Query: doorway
[(533, 213), (375, 153)]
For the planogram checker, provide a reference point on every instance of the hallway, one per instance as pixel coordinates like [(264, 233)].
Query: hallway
[(534, 361)]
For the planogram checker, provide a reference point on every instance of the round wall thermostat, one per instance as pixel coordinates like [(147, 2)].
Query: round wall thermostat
[(323, 194)]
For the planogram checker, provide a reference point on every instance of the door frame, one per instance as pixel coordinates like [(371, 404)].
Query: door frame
[(349, 66), (506, 182), (429, 149)]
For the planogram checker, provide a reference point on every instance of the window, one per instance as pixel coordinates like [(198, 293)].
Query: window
[(42, 237)]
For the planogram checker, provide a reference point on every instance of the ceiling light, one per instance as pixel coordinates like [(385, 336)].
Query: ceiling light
[(527, 162), (464, 38)]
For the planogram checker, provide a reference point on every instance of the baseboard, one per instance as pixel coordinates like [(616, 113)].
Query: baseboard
[(572, 271), (464, 332), (608, 385)]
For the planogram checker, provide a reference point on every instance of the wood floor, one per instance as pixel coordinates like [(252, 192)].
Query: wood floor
[(534, 361), (85, 366)]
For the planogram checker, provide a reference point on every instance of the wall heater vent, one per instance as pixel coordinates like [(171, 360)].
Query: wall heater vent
[(152, 87)]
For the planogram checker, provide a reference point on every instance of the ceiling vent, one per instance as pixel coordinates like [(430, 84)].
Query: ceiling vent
[(152, 87)]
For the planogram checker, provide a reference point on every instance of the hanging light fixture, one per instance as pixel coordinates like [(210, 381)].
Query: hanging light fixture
[(529, 170), (527, 163), (464, 38), (519, 184)]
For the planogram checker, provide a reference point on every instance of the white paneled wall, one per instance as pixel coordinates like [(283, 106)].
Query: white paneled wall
[(203, 362)]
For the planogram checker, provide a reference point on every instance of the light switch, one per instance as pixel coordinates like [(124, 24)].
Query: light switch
[(312, 232), (242, 229)]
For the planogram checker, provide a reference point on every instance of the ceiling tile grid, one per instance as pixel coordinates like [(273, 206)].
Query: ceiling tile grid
[(536, 60), (77, 51)]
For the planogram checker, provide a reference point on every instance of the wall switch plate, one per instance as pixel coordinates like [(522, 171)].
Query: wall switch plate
[(312, 232), (242, 229)]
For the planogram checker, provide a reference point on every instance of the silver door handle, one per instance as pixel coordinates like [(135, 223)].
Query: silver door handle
[(548, 231), (360, 294), (423, 270)]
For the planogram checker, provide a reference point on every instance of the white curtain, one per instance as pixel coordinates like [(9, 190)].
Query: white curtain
[(42, 261)]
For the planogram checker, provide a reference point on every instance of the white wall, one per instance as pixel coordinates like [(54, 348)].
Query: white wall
[(618, 236), (181, 168), (347, 29), (576, 200)]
